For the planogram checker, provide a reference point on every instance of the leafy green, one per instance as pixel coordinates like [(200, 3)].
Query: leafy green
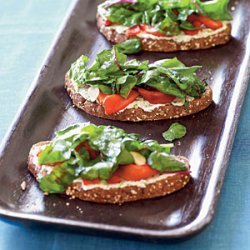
[(131, 46), (126, 83), (114, 146), (216, 9), (59, 179), (164, 162), (160, 14), (112, 73), (125, 158), (175, 131)]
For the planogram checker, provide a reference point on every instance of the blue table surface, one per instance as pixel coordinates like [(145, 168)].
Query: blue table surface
[(27, 29)]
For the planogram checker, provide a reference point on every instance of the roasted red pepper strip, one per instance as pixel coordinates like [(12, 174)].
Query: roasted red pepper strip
[(107, 22), (155, 96), (208, 22), (191, 32), (115, 179), (151, 30), (133, 172), (133, 31), (101, 97), (91, 182), (114, 103)]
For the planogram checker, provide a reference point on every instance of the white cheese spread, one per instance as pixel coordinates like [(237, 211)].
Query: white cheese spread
[(183, 38), (139, 102), (141, 183), (89, 93)]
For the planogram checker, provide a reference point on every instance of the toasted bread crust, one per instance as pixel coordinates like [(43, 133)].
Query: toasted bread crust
[(119, 195), (167, 111), (167, 45)]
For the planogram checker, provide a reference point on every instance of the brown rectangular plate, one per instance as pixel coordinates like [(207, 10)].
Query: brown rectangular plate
[(208, 142)]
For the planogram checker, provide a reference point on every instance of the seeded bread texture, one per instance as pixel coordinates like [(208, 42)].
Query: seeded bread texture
[(118, 195), (167, 45), (167, 111)]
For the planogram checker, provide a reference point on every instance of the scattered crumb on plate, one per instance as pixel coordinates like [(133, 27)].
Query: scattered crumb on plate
[(23, 185)]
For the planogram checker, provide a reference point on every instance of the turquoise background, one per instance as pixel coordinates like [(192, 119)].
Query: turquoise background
[(27, 29)]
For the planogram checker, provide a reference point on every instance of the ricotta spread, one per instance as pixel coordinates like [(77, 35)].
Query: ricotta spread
[(139, 102), (89, 93), (183, 38), (44, 170), (141, 183)]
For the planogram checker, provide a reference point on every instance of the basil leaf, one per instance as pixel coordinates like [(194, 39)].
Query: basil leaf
[(175, 131)]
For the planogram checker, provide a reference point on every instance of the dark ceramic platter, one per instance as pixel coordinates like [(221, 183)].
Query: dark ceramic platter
[(207, 144)]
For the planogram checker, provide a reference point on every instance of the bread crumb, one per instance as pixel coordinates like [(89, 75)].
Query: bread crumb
[(23, 185)]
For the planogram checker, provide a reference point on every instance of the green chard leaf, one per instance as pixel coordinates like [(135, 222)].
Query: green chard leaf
[(162, 14), (216, 9), (165, 163), (131, 46), (126, 84), (112, 73), (114, 146), (175, 131), (59, 179)]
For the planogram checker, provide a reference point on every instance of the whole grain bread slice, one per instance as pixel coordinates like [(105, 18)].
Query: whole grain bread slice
[(167, 111), (162, 44), (167, 184)]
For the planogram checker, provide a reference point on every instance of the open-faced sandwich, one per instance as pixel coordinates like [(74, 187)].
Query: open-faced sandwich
[(166, 25), (104, 164), (117, 89)]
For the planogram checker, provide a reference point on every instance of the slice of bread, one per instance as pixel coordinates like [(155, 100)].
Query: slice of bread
[(203, 40), (126, 191), (167, 111)]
